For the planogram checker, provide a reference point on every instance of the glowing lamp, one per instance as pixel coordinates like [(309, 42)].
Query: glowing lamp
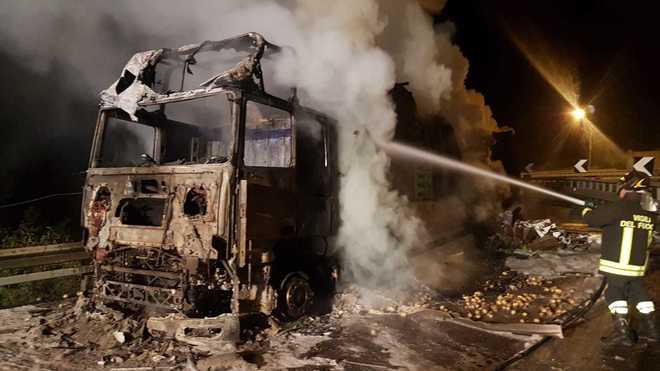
[(578, 114)]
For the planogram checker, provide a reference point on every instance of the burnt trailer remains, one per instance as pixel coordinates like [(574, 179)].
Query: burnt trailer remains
[(205, 193)]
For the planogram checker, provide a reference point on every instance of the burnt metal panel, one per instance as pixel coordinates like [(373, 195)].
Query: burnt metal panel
[(242, 222)]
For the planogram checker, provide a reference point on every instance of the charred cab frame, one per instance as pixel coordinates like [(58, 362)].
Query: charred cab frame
[(213, 234)]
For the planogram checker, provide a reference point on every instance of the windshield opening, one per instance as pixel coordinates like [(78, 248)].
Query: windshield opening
[(125, 141), (190, 132)]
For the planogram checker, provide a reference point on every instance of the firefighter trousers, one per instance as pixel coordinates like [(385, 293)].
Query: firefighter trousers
[(623, 288)]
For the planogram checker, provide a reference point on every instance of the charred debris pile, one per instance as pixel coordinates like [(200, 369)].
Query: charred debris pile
[(82, 331)]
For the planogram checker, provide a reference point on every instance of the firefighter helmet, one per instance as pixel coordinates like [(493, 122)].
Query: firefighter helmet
[(634, 181)]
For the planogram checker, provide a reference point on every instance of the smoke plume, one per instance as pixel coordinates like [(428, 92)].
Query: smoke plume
[(346, 57)]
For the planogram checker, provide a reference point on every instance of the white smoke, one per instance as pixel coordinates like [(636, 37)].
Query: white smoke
[(348, 55), (342, 71), (437, 70)]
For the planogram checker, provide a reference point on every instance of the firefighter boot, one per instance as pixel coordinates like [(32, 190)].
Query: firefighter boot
[(648, 327), (621, 333)]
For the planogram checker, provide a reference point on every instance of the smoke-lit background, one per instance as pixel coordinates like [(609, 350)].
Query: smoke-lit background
[(606, 51), (58, 55)]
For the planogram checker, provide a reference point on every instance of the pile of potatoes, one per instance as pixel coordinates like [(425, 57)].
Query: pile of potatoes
[(528, 299)]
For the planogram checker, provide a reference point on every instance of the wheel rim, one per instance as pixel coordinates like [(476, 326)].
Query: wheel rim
[(298, 296)]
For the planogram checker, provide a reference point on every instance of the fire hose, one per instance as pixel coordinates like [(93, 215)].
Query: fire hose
[(434, 159)]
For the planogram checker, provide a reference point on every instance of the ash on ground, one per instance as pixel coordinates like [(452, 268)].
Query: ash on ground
[(365, 330), (414, 329)]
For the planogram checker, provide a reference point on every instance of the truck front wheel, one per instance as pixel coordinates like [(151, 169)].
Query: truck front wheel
[(296, 297)]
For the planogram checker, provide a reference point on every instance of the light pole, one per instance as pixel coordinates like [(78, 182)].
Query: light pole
[(580, 114)]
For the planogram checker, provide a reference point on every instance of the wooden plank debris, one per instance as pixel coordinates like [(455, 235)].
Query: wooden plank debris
[(578, 227), (515, 328)]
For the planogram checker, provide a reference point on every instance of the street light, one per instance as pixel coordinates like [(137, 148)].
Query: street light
[(579, 114)]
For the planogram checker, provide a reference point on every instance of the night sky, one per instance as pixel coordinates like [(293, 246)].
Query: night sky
[(610, 48)]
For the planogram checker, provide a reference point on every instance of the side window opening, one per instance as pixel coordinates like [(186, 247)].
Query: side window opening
[(268, 136)]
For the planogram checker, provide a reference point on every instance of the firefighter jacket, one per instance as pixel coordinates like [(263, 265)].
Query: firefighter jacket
[(627, 235)]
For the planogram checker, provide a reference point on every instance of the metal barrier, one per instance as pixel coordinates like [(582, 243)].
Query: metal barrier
[(584, 185), (35, 256)]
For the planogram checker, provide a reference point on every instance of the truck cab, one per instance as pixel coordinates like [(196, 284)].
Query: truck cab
[(206, 194)]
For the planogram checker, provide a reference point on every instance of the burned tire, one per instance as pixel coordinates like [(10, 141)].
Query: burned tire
[(295, 297)]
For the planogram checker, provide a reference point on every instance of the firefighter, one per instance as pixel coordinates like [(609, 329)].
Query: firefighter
[(628, 226)]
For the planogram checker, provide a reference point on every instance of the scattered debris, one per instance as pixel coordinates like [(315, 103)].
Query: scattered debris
[(121, 339), (214, 335), (525, 238), (377, 329)]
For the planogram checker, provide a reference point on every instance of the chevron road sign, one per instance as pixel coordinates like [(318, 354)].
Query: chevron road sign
[(644, 165), (581, 166)]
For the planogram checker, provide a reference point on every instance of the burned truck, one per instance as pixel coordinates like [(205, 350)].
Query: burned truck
[(206, 192)]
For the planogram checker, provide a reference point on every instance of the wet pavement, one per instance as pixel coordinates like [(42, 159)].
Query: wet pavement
[(425, 340), (366, 330)]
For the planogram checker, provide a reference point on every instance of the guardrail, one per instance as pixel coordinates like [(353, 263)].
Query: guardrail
[(612, 174), (591, 186), (36, 256)]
